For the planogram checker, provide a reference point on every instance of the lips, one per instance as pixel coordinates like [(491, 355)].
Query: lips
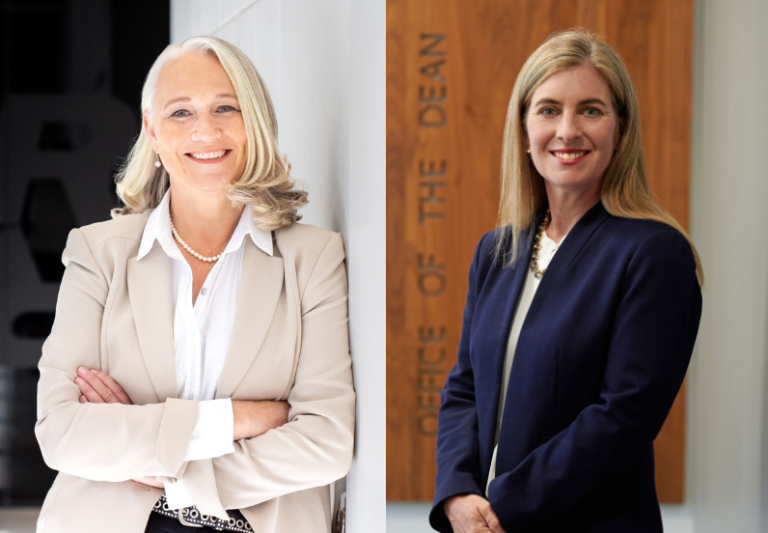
[(212, 156), (569, 156)]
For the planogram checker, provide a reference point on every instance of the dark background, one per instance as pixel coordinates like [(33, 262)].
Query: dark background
[(71, 77)]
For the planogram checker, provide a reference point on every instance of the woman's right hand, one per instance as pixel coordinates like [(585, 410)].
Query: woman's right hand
[(254, 418), (470, 513), (98, 387)]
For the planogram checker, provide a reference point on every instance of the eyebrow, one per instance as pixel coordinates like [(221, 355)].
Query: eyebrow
[(583, 102), (187, 99)]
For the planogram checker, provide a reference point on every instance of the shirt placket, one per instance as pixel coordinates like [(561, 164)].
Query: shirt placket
[(199, 316), (193, 352), (199, 312)]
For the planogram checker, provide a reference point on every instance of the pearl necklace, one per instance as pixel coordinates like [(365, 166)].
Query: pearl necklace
[(537, 246), (190, 250)]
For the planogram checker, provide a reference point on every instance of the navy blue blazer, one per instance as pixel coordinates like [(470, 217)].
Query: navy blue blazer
[(601, 356)]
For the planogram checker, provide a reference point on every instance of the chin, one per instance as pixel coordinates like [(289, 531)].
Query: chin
[(210, 184), (574, 183)]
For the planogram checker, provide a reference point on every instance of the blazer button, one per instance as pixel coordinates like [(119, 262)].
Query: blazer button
[(203, 291)]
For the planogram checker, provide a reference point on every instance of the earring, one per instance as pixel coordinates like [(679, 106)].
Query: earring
[(158, 164), (528, 150)]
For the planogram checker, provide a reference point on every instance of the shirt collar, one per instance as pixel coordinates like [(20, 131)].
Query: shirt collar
[(158, 229)]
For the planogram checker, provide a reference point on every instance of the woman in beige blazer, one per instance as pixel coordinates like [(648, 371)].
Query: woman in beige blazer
[(198, 370)]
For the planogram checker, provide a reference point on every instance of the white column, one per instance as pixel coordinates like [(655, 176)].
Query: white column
[(727, 405), (366, 236)]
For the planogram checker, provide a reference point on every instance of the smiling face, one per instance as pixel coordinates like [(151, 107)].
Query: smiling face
[(572, 129), (195, 124)]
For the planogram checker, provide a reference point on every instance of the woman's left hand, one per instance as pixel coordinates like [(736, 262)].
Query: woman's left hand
[(97, 387)]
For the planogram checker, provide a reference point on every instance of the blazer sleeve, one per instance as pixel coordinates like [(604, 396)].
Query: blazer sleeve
[(651, 342), (315, 447), (458, 461), (101, 442)]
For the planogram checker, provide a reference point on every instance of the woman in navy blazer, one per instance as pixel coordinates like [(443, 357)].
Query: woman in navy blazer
[(606, 340)]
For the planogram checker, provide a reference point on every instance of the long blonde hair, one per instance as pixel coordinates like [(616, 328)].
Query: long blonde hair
[(625, 189), (266, 184)]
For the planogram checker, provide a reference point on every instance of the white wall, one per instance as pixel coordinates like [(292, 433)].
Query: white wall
[(727, 405), (324, 65)]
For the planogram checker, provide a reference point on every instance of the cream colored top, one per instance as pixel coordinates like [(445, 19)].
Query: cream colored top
[(548, 249)]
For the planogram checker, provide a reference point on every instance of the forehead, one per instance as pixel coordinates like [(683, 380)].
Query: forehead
[(573, 84), (195, 74)]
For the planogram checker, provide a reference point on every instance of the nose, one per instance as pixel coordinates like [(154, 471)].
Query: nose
[(568, 128), (205, 129)]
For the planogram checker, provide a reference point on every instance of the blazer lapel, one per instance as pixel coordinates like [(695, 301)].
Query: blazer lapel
[(261, 282), (501, 296), (150, 289), (506, 293), (575, 241)]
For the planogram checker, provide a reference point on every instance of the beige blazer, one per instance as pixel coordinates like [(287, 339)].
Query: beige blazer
[(289, 342)]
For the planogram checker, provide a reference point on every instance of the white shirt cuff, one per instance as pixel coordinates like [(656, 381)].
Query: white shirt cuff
[(214, 431), (177, 495)]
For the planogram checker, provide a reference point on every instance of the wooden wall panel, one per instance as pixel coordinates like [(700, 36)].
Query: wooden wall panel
[(451, 65)]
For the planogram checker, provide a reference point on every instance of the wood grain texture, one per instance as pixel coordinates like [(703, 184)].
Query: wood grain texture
[(485, 44)]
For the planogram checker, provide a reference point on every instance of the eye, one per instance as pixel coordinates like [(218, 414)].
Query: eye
[(180, 113), (592, 112), (226, 108), (548, 111)]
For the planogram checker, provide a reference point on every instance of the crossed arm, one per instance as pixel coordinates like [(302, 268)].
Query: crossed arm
[(252, 418)]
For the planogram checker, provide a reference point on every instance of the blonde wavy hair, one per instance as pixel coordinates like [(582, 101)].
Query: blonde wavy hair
[(625, 189), (266, 184)]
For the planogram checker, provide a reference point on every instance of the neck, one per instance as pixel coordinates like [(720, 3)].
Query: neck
[(206, 222), (567, 207)]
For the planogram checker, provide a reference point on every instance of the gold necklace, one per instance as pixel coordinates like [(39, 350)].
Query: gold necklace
[(537, 273)]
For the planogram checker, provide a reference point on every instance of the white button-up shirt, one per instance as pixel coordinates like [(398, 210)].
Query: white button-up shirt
[(202, 333)]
